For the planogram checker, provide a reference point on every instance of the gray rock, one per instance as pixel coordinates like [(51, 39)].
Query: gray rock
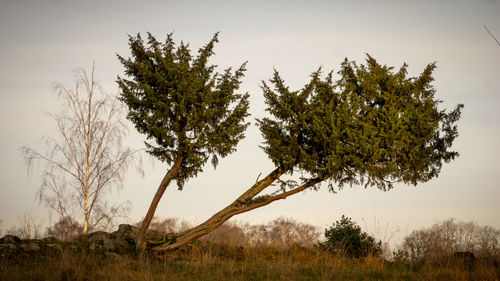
[(55, 246), (112, 255), (29, 247), (9, 239), (8, 246), (126, 228), (108, 245), (50, 239), (102, 244), (98, 235)]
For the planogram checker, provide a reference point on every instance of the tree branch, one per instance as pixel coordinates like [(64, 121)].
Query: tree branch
[(498, 43), (283, 195), (224, 214)]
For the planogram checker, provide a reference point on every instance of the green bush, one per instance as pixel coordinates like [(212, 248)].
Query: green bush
[(345, 237)]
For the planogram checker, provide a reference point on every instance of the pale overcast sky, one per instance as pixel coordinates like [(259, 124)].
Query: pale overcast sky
[(44, 41)]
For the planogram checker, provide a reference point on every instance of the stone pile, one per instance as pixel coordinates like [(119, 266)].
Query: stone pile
[(120, 242)]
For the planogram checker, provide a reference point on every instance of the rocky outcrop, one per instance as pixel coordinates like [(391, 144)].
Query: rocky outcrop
[(114, 244)]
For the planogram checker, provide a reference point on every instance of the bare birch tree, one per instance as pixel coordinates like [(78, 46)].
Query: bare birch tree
[(88, 159)]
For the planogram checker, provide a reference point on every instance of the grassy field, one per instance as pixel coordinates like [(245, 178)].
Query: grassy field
[(235, 263)]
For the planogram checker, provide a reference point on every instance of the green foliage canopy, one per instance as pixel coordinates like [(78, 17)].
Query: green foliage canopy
[(372, 126), (182, 104)]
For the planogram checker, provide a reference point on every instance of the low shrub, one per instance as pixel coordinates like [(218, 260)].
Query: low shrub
[(345, 237)]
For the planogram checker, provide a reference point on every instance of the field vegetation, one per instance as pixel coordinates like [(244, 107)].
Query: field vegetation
[(283, 249)]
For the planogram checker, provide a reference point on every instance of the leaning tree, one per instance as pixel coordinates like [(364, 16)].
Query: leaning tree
[(191, 113), (372, 126)]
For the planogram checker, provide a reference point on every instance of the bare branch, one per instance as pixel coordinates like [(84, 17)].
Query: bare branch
[(88, 159), (498, 43)]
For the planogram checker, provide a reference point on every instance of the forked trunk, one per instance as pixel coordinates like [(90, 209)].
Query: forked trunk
[(171, 174), (237, 207)]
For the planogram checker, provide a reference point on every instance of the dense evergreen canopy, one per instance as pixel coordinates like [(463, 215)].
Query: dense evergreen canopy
[(181, 104), (372, 126), (189, 112)]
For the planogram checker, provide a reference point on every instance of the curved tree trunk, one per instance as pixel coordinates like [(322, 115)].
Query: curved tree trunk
[(243, 204), (171, 174)]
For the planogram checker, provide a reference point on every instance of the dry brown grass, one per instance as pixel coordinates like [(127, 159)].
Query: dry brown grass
[(229, 254), (206, 261)]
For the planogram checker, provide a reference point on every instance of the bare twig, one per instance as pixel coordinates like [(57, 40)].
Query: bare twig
[(498, 43), (88, 159)]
